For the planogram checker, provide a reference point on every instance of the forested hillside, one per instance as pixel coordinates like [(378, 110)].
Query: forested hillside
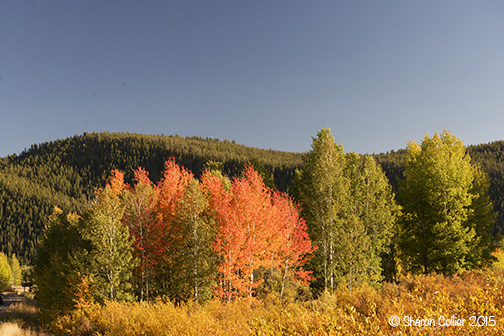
[(191, 240), (65, 173)]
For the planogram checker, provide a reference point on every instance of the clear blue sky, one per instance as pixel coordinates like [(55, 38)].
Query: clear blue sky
[(267, 74)]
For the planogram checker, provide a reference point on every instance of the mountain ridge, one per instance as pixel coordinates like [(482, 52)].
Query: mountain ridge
[(65, 173)]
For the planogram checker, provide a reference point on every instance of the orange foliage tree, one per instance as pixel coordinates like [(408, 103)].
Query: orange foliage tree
[(172, 235), (169, 236), (230, 238), (256, 228), (292, 240), (190, 236)]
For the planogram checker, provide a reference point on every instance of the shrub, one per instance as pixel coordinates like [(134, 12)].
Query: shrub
[(364, 311)]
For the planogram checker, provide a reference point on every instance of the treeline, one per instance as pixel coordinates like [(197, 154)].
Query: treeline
[(189, 239), (182, 239), (65, 173)]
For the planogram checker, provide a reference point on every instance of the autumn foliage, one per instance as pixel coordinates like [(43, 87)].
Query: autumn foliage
[(140, 217), (256, 228), (364, 311), (214, 253), (217, 235)]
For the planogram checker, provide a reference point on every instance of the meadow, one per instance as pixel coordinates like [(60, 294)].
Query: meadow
[(476, 297)]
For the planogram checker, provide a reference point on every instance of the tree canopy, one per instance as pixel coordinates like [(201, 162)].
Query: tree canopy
[(350, 212), (442, 222), (180, 239)]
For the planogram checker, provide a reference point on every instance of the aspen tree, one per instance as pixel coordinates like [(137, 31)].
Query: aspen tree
[(437, 194)]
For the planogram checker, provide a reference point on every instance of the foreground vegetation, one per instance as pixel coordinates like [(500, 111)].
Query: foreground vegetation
[(364, 311), (203, 251), (208, 253)]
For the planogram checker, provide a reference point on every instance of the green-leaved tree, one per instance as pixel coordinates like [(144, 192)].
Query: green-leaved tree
[(443, 198), (373, 205), (60, 271), (16, 270), (196, 261), (350, 212), (5, 272), (322, 189), (111, 254)]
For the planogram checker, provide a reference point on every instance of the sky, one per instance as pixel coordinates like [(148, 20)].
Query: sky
[(267, 74)]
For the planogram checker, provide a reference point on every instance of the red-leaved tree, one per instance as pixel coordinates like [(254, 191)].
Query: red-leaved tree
[(256, 228), (230, 237), (293, 242)]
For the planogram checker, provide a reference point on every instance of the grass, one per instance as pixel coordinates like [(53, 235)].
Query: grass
[(364, 311), (13, 329), (20, 319)]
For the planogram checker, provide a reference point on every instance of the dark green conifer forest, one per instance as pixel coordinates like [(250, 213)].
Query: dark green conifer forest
[(65, 173)]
